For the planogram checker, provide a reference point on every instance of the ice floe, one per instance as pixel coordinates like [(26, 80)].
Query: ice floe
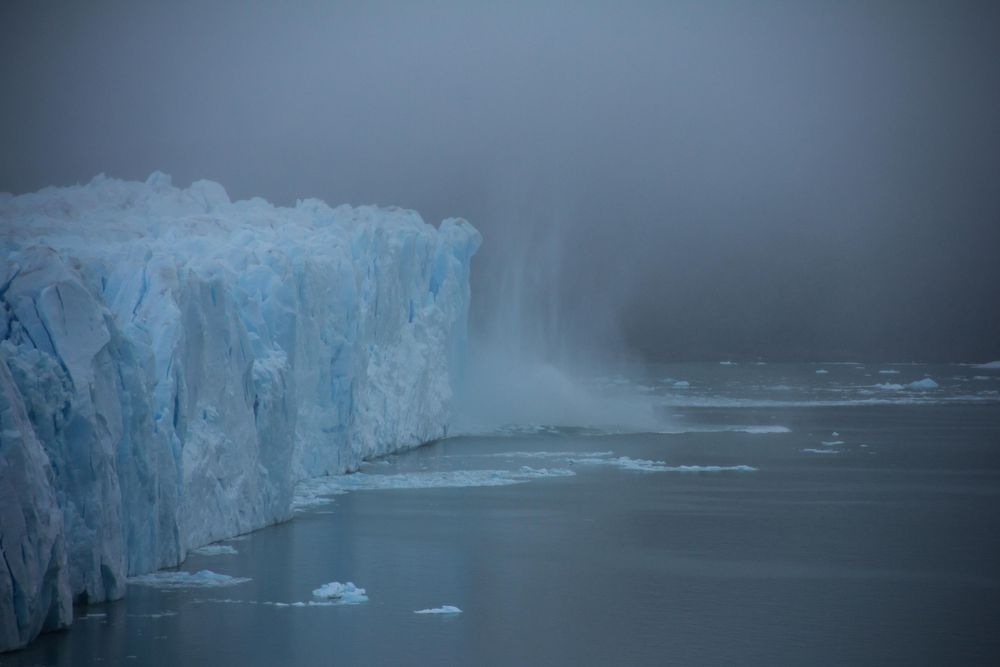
[(545, 455), (310, 492), (889, 386), (444, 609), (180, 579), (644, 465)]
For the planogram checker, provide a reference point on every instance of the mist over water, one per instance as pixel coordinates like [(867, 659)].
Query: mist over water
[(525, 368)]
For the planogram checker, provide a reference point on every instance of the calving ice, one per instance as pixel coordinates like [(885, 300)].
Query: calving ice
[(173, 362)]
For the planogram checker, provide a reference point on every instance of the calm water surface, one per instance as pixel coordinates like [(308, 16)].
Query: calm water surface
[(884, 551)]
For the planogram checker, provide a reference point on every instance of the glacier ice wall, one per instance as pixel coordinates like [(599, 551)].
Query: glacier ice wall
[(173, 362)]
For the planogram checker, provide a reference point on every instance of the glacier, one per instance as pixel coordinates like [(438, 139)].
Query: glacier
[(172, 363)]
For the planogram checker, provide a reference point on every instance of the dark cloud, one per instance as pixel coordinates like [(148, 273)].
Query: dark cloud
[(683, 180)]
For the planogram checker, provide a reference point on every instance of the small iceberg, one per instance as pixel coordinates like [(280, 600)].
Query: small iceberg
[(444, 609), (681, 384), (343, 593), (922, 385), (995, 365), (821, 371)]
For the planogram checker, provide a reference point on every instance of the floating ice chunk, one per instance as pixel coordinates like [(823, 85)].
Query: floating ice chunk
[(889, 386), (727, 363), (981, 377), (888, 372), (546, 455), (835, 434), (360, 481), (695, 468), (343, 593), (180, 579), (812, 450), (681, 384), (991, 365), (821, 371), (644, 465), (832, 443), (924, 384), (729, 429), (215, 550), (759, 430), (444, 609), (536, 473)]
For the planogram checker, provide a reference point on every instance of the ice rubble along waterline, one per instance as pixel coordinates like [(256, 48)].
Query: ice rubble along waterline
[(172, 363)]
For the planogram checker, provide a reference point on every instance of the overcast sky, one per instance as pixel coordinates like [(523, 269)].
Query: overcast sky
[(683, 180)]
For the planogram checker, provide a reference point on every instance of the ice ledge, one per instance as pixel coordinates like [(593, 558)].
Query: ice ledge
[(173, 362)]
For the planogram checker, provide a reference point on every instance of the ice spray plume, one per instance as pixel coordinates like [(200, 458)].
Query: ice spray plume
[(527, 365)]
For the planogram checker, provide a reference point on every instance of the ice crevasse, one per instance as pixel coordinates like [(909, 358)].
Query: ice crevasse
[(172, 363)]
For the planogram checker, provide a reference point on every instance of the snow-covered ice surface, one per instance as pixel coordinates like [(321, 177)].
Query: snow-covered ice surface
[(173, 362)]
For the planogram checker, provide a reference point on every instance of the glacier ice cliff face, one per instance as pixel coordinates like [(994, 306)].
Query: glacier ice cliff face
[(172, 363)]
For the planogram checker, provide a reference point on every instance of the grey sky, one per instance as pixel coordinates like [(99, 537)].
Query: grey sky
[(679, 179)]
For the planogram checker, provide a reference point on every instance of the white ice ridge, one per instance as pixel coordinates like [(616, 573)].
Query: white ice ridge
[(172, 363)]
